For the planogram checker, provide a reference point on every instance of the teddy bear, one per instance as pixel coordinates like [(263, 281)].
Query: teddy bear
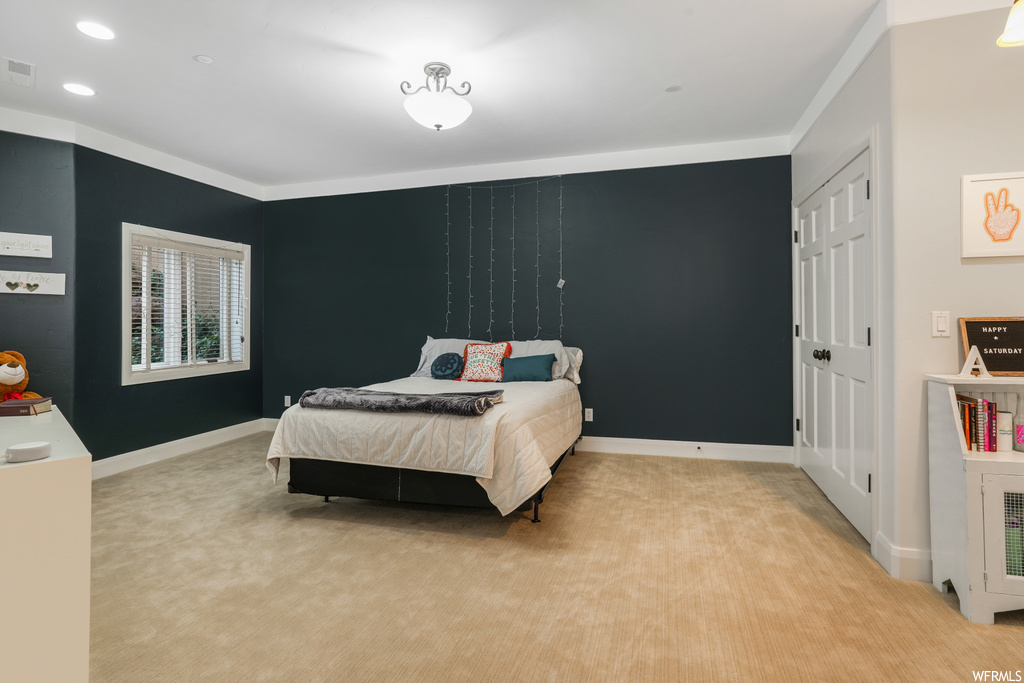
[(14, 377)]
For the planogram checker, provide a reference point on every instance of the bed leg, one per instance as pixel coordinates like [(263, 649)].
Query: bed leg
[(327, 499), (536, 508)]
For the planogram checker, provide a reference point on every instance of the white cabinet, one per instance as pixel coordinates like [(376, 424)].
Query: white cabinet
[(45, 544), (977, 501)]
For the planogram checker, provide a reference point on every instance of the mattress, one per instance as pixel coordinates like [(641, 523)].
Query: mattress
[(509, 449)]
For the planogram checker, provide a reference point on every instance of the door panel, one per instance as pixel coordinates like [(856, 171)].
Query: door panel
[(837, 307), (859, 306), (863, 427), (841, 421), (807, 402), (839, 276)]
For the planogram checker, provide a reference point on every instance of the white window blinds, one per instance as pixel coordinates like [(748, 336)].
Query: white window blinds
[(188, 304)]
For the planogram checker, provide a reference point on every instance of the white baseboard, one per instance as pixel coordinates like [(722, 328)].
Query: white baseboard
[(908, 564), (687, 449), (593, 444), (146, 456)]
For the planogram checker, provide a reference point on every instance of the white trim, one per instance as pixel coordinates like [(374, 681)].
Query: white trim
[(687, 449), (68, 131), (147, 456), (908, 564), (868, 36), (586, 163), (795, 348)]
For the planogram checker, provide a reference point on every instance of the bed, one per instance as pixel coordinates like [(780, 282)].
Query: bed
[(501, 459)]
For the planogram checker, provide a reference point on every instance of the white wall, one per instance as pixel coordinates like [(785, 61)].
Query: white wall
[(957, 107), (862, 110)]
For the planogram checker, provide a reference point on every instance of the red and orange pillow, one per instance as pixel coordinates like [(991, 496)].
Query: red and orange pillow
[(484, 362)]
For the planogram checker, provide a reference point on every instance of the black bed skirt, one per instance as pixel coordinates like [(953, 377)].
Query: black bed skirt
[(330, 478), (353, 480)]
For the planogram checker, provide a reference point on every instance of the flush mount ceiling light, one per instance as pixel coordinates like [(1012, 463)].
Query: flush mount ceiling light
[(79, 89), (1013, 34), (94, 30), (436, 104)]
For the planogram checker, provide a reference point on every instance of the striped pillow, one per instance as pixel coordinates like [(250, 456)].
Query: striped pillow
[(483, 362)]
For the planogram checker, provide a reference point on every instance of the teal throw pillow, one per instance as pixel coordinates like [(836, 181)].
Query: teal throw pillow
[(446, 366), (529, 368)]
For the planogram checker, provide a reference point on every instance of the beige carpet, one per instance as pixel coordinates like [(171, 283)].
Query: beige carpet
[(644, 569)]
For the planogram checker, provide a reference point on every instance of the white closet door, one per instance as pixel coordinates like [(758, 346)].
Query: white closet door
[(835, 386)]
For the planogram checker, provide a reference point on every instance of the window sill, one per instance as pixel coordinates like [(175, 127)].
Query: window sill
[(168, 374)]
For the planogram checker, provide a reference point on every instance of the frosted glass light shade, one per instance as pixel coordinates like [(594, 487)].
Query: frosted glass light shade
[(438, 110), (1013, 34)]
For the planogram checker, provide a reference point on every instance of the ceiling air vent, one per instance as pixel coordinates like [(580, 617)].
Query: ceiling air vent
[(19, 73)]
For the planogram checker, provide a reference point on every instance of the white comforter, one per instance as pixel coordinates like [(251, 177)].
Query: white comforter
[(509, 449)]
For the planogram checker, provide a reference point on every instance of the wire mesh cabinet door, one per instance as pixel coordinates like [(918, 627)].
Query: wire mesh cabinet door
[(1004, 533)]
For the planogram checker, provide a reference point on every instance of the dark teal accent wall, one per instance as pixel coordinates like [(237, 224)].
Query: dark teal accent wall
[(354, 284), (110, 418), (677, 288), (37, 196)]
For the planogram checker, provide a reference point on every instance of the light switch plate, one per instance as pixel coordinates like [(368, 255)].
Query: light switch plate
[(941, 324)]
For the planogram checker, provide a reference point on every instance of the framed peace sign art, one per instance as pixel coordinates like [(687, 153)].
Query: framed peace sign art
[(991, 215)]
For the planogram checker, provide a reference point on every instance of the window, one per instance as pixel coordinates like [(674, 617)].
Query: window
[(184, 305)]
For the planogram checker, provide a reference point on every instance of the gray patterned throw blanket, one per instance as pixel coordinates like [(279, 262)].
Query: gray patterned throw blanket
[(390, 402)]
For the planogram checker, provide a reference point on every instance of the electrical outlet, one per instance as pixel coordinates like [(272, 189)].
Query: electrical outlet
[(287, 401), (588, 414)]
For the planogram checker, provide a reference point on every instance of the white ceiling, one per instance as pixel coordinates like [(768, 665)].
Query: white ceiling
[(308, 90)]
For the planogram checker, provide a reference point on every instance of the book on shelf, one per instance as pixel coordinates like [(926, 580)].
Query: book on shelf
[(970, 414), (980, 416), (993, 413), (983, 425), (26, 406)]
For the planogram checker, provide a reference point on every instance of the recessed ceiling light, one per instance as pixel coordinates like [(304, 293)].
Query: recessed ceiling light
[(79, 89), (94, 30), (203, 59), (673, 88)]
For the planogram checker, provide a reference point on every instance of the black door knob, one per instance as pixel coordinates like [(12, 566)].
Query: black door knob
[(816, 354), (826, 354)]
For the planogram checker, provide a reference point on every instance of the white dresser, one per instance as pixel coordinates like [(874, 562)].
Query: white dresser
[(45, 545)]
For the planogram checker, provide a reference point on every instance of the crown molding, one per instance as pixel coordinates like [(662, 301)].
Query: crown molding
[(610, 161), (51, 128)]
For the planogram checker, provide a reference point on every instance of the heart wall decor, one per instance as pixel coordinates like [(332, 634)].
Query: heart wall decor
[(20, 282)]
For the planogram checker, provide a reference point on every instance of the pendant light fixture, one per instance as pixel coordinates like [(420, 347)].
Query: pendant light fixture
[(436, 104), (1013, 34)]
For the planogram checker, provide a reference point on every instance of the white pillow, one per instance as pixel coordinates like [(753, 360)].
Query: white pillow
[(539, 347), (575, 361), (435, 347)]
